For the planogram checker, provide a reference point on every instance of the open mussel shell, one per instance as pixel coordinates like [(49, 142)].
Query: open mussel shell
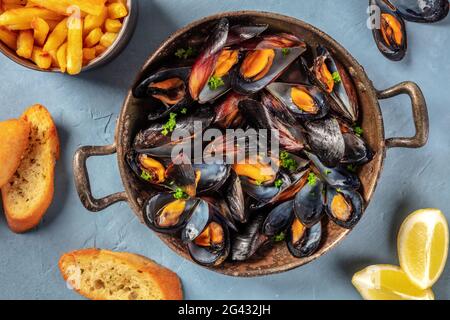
[(279, 219), (154, 136), (205, 64), (220, 208), (197, 222), (246, 243), (391, 37), (338, 177), (211, 177), (424, 11), (165, 214), (227, 112), (234, 196), (325, 140), (356, 150), (304, 101), (344, 207), (145, 167), (302, 241), (333, 78), (309, 203), (212, 246), (169, 87)]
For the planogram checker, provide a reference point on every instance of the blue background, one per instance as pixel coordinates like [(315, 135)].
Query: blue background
[(85, 109)]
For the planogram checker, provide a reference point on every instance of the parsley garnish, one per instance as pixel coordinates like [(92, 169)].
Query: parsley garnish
[(215, 83), (258, 183), (328, 171), (279, 237), (358, 131), (285, 51), (287, 162), (278, 183), (351, 168), (170, 125), (180, 194), (312, 179), (185, 53), (183, 111), (336, 77), (146, 176)]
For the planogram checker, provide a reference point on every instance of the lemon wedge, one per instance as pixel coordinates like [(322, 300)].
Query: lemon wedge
[(386, 282), (423, 246)]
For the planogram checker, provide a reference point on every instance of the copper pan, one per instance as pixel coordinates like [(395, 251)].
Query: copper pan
[(277, 259)]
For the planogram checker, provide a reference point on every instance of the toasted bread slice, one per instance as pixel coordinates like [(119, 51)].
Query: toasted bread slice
[(29, 193), (106, 275), (14, 136)]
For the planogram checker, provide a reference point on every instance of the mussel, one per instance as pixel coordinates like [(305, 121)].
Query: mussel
[(250, 240), (198, 221), (334, 79), (279, 219), (227, 112), (265, 60), (212, 246), (234, 196), (425, 11), (391, 36), (325, 140), (165, 214), (240, 33), (304, 101), (356, 150), (309, 201), (169, 87), (344, 207), (211, 177), (302, 241)]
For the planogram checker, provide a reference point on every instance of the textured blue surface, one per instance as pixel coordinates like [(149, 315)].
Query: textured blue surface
[(85, 109)]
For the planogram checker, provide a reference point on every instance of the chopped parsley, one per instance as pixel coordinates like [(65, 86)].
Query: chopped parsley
[(279, 237), (183, 111), (258, 183), (339, 190), (146, 176), (328, 171), (180, 194), (312, 179), (351, 168), (185, 53), (170, 125), (287, 162), (278, 183), (358, 131), (285, 51), (215, 83), (336, 77)]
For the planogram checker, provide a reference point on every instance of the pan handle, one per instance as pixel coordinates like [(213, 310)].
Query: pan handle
[(420, 114), (82, 182)]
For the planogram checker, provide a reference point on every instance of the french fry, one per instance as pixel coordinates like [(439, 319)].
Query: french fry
[(9, 38), (57, 37), (25, 44), (61, 56), (26, 15), (99, 49), (41, 30), (42, 59), (74, 45), (59, 6), (113, 25), (93, 7), (108, 39), (89, 54), (19, 27), (93, 38), (117, 10), (55, 63), (91, 22)]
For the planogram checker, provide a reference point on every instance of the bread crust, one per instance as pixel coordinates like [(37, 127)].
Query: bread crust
[(21, 222), (14, 135), (168, 281)]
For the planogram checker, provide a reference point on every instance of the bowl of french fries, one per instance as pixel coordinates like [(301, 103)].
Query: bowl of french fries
[(68, 36)]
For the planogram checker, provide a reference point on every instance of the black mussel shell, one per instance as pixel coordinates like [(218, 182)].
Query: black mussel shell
[(234, 196), (390, 46), (424, 11), (265, 193), (279, 219), (343, 92), (250, 240), (154, 206), (355, 204), (309, 241), (309, 203), (336, 177), (240, 33), (282, 91), (132, 159), (153, 136), (212, 176), (181, 175), (197, 222), (356, 150), (276, 108), (220, 208), (227, 112), (325, 140), (209, 256)]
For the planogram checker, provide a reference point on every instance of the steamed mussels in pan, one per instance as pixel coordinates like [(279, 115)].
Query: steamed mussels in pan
[(390, 36), (291, 173)]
